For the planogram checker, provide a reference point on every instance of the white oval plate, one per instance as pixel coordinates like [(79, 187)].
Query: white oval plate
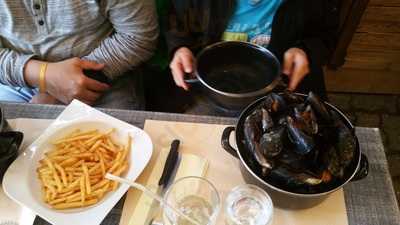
[(22, 185)]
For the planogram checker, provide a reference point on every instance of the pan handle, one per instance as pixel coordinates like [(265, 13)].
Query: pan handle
[(283, 82), (190, 78), (362, 171), (225, 142)]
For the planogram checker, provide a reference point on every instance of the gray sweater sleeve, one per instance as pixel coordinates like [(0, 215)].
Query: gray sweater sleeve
[(134, 38), (12, 66)]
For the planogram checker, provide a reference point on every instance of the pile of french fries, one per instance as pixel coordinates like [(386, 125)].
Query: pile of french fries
[(72, 174)]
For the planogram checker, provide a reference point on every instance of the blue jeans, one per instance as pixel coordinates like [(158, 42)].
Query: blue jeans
[(16, 94), (126, 93)]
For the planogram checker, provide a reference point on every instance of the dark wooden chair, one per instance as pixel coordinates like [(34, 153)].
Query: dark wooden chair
[(351, 12)]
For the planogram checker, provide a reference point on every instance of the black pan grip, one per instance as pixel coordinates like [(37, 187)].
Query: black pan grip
[(97, 75), (362, 171), (225, 141)]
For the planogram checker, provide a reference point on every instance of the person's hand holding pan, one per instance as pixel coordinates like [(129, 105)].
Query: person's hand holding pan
[(182, 64), (295, 66)]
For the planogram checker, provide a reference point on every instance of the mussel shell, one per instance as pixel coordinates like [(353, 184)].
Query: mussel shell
[(319, 107), (292, 179), (252, 133), (267, 122), (303, 143), (292, 98), (275, 103), (271, 142)]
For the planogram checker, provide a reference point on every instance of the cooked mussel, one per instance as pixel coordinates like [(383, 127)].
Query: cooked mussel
[(306, 119), (267, 122), (252, 133), (303, 143), (272, 142), (275, 103), (285, 176), (319, 107)]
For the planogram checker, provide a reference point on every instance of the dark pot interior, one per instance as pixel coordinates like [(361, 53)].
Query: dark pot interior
[(237, 67)]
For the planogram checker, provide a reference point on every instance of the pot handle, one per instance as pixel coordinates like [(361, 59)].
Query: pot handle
[(283, 82), (225, 141), (192, 80), (362, 171)]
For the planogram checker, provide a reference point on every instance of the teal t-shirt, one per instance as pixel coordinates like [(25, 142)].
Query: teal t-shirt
[(252, 21)]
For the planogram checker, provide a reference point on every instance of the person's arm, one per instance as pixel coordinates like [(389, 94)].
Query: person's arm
[(12, 66), (134, 38)]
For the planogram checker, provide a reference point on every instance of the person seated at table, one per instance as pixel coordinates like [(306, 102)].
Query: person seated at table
[(301, 33), (57, 51)]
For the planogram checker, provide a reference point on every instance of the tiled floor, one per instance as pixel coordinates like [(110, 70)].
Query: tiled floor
[(381, 111)]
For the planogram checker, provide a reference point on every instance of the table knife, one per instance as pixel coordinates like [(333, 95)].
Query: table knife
[(167, 174)]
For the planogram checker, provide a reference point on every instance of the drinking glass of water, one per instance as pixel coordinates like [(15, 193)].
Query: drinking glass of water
[(248, 205), (196, 197)]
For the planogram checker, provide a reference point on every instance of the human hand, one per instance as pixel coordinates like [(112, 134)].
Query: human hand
[(66, 81), (182, 63), (295, 66)]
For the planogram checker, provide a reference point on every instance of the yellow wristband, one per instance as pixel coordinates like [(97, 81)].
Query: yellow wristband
[(42, 78)]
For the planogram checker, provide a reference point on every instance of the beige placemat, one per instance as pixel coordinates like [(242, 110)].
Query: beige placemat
[(204, 140)]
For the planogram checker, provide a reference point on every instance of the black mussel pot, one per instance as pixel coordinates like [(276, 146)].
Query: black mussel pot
[(234, 74), (9, 144), (358, 169), (3, 122)]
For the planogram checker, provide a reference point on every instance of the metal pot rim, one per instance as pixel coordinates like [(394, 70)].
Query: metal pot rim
[(256, 93), (243, 162)]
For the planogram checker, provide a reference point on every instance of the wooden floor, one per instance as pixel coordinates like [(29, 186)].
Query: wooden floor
[(363, 81)]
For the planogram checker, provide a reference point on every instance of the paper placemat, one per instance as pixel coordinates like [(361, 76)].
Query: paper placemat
[(204, 140)]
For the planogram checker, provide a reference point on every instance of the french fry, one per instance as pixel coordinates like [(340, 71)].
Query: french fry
[(55, 175), (75, 204), (121, 169), (51, 189), (47, 195), (100, 184), (82, 188), (89, 132), (66, 194), (102, 166), (77, 164), (56, 201), (65, 140), (71, 198), (69, 162), (62, 172), (95, 146), (44, 171), (72, 186), (94, 168), (87, 179)]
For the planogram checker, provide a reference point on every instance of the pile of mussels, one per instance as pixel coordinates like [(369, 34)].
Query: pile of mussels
[(298, 144)]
